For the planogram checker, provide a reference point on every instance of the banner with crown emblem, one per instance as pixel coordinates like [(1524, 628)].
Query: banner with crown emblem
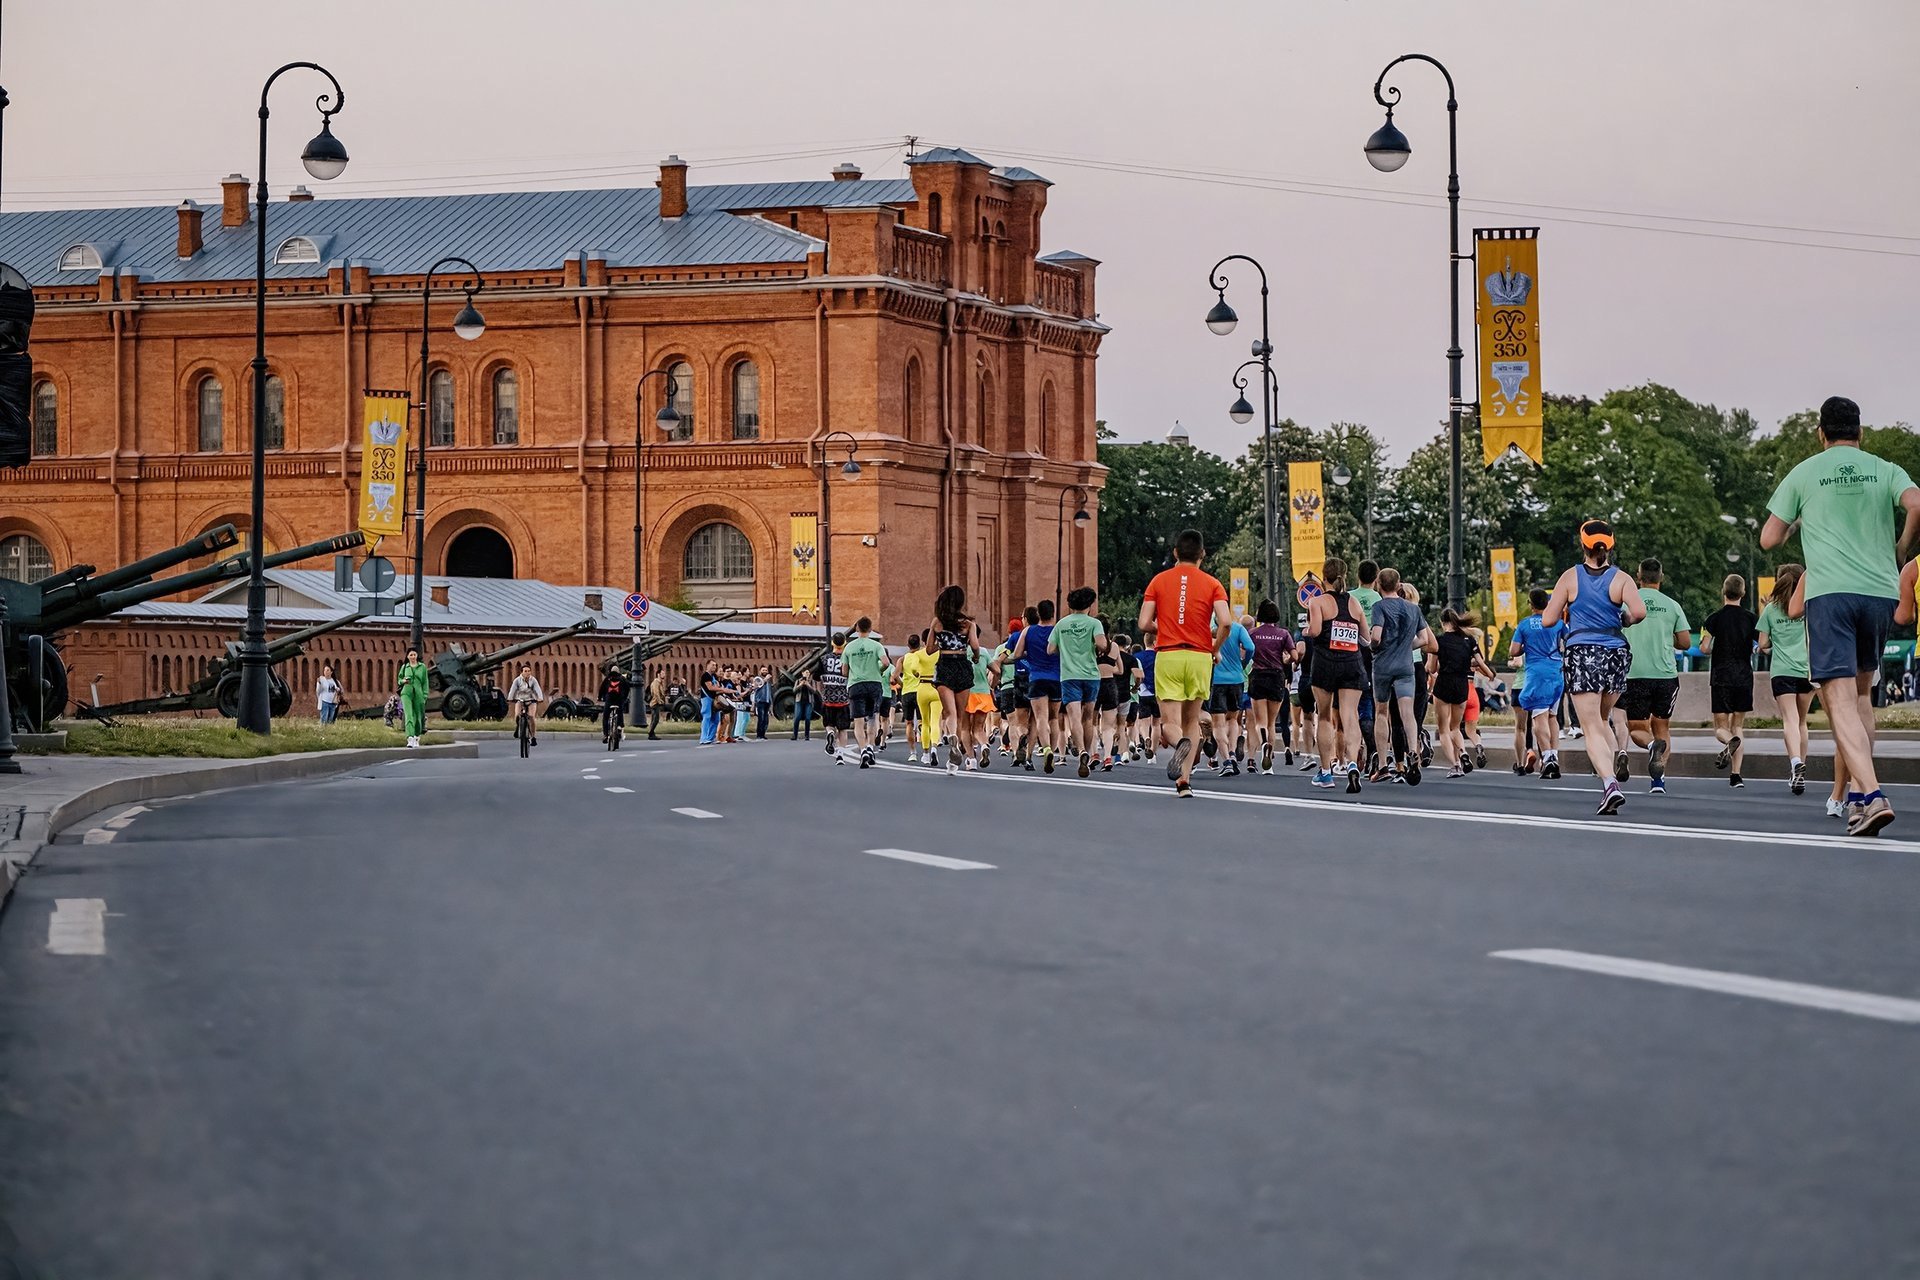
[(383, 464), (1237, 590), (1506, 594), (1306, 517), (803, 574), (1506, 301)]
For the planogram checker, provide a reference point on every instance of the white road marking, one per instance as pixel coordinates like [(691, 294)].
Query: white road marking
[(932, 860), (1540, 823), (696, 813), (78, 927), (1834, 999), (98, 835), (592, 768), (126, 816), (608, 759), (619, 791)]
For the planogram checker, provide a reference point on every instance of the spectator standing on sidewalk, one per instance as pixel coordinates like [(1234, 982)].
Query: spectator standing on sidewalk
[(656, 704), (803, 698), (326, 690), (412, 684), (762, 702), (1844, 501)]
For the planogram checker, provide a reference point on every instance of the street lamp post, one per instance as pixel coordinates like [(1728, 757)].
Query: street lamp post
[(1343, 477), (849, 469), (667, 420), (1080, 518), (324, 158), (467, 325), (1387, 150), (1242, 413), (1221, 319), (1752, 527)]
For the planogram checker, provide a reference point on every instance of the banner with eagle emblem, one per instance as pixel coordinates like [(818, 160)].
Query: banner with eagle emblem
[(1306, 517), (803, 573)]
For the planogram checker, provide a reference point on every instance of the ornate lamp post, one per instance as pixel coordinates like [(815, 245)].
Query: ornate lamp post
[(667, 420), (1387, 150), (1242, 412), (850, 469), (1221, 319), (324, 158), (1343, 477), (1081, 517), (467, 325)]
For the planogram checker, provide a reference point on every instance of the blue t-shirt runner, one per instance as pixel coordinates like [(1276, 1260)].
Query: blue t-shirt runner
[(1041, 665), (1545, 674), (1230, 666)]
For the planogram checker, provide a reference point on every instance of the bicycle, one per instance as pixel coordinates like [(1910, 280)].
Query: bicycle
[(523, 729), (614, 727)]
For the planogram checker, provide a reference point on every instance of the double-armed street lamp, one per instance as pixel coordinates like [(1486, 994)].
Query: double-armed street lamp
[(1081, 518), (1221, 319), (668, 421), (467, 326), (1387, 150), (1342, 477), (325, 159), (850, 469), (1241, 412)]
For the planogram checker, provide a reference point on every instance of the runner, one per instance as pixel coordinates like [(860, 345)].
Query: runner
[(1305, 709), (955, 641), (1398, 630), (1369, 575), (1452, 665), (1107, 727), (1729, 642), (835, 717), (1008, 693), (1784, 640), (1043, 677), (1229, 687), (1187, 610), (1595, 598), (1537, 647), (1653, 680), (1272, 655), (923, 664), (1334, 628), (1843, 499), (979, 751), (908, 674), (1079, 640), (866, 661), (1149, 739)]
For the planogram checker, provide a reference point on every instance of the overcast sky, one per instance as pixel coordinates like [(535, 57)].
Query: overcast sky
[(1684, 115)]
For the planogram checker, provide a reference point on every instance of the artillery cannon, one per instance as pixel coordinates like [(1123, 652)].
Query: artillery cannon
[(454, 686), (219, 689), (679, 707), (37, 611)]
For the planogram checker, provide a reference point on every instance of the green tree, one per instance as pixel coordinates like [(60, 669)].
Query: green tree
[(1153, 491)]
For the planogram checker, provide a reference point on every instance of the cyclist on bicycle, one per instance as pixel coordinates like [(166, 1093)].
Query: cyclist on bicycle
[(524, 693), (613, 697)]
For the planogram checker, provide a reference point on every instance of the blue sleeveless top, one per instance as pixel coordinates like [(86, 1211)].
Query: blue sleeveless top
[(1593, 618)]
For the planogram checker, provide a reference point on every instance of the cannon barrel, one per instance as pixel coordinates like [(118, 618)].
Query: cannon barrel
[(481, 663), (293, 643), (90, 586), (652, 647)]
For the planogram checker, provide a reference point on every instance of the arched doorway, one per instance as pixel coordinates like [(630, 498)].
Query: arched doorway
[(479, 552)]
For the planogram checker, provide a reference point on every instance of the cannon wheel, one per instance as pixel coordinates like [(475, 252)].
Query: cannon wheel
[(561, 708), (683, 709), (226, 695), (459, 703), (279, 696), (783, 704)]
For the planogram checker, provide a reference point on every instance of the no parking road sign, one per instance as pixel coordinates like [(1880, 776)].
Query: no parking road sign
[(637, 606)]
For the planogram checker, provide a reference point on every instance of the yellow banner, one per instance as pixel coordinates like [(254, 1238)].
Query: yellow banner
[(1506, 597), (803, 580), (383, 465), (1506, 305), (1237, 590), (1759, 602), (1306, 517)]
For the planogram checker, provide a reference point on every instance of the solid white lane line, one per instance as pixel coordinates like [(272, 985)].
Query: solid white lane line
[(78, 927), (696, 813), (932, 860), (619, 791), (1534, 822), (1833, 999)]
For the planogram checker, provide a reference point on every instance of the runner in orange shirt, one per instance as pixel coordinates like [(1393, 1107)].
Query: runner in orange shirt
[(1188, 610)]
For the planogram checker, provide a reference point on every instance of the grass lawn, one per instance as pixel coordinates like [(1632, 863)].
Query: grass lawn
[(221, 740)]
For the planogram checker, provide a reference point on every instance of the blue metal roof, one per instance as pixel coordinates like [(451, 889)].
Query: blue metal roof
[(1017, 174), (948, 155), (403, 235)]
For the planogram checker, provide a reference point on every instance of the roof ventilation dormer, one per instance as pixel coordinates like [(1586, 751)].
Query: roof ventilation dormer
[(673, 187), (296, 249), (80, 257)]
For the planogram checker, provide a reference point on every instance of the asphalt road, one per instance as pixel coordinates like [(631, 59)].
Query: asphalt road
[(507, 1019)]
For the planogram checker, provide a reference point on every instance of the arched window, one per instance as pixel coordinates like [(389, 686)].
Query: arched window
[(80, 257), (910, 401), (682, 374), (440, 408), (506, 407), (46, 419), (209, 402), (717, 569), (746, 400), (24, 558), (933, 213), (274, 432)]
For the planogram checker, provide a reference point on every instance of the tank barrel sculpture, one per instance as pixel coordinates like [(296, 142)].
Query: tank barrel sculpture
[(73, 590)]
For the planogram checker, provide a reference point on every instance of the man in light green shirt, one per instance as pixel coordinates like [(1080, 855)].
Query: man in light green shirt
[(866, 660), (1653, 680), (1079, 639), (1368, 573), (1845, 501)]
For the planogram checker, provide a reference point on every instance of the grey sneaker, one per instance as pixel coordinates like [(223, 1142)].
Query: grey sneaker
[(1867, 819)]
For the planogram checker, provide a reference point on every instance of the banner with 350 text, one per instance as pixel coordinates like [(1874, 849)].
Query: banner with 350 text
[(1507, 308), (383, 464)]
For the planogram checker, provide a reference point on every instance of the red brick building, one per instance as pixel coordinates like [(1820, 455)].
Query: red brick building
[(917, 314)]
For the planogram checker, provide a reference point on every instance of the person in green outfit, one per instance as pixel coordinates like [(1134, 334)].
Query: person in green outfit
[(413, 695), (1653, 681), (1783, 638), (1079, 639)]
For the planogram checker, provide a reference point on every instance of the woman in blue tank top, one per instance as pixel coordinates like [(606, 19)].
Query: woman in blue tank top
[(1598, 601)]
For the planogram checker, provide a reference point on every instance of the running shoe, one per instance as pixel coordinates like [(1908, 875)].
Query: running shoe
[(1612, 800), (1456, 772), (1266, 758), (1107, 765), (1182, 791), (1353, 779), (1412, 775), (866, 758), (1046, 758), (1551, 769), (1519, 770), (1533, 761), (1323, 779), (838, 759), (932, 758), (1620, 771), (1381, 773), (1836, 808), (1657, 787), (1373, 762), (1724, 757), (1208, 747), (913, 757), (1289, 756), (1657, 763), (993, 739), (1309, 763), (1231, 769), (1797, 779), (1466, 763), (970, 766), (1734, 781), (1869, 818), (1177, 762), (1479, 756)]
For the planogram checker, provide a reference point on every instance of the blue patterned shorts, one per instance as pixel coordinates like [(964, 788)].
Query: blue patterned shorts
[(1593, 668)]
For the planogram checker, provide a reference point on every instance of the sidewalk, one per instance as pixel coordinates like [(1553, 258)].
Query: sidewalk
[(51, 792)]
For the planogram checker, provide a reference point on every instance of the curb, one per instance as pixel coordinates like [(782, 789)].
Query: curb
[(1699, 764), (33, 829)]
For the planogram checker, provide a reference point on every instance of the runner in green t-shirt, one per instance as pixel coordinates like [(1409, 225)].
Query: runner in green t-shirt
[(866, 660), (1079, 639), (1784, 640), (1653, 680)]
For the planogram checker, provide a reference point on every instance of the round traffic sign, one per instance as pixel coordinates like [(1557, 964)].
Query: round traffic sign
[(637, 606), (1309, 588), (376, 574)]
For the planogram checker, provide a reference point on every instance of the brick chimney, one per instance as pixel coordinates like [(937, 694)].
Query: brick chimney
[(299, 195), (190, 242), (437, 592), (846, 173), (673, 187), (235, 209)]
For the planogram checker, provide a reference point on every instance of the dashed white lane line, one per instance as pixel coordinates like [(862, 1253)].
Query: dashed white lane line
[(1833, 999), (696, 813), (619, 791), (78, 927), (1534, 822), (608, 759), (932, 860)]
